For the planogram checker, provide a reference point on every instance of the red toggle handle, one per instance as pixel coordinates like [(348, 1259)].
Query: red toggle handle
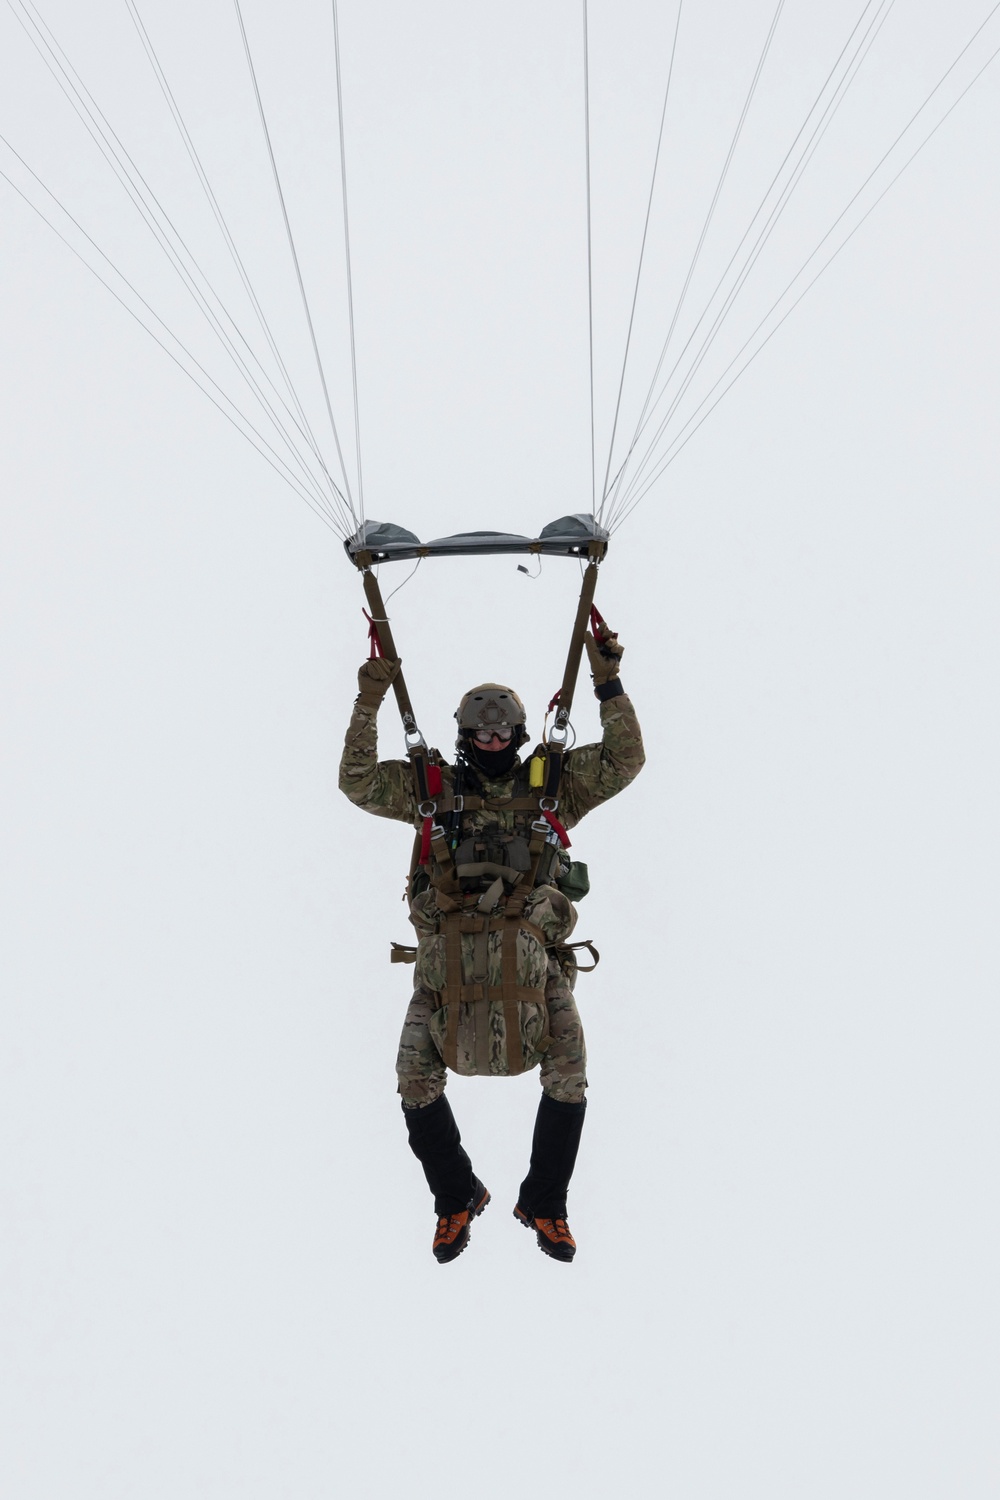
[(374, 638)]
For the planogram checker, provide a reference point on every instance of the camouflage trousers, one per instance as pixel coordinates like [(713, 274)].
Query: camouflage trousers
[(420, 1067)]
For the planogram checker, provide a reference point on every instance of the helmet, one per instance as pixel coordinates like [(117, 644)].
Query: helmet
[(490, 704)]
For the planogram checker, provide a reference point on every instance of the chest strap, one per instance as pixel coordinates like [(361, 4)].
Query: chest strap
[(448, 803)]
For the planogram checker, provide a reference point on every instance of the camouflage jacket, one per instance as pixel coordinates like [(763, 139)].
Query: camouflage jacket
[(591, 773)]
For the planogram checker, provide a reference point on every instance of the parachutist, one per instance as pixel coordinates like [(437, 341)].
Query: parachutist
[(492, 895)]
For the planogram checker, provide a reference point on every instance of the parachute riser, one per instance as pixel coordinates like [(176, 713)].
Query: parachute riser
[(560, 728), (380, 623), (415, 743)]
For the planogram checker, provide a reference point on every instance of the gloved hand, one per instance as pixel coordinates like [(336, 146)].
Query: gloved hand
[(605, 655), (375, 678)]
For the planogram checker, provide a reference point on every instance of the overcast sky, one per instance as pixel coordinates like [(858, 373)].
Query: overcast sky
[(216, 1278)]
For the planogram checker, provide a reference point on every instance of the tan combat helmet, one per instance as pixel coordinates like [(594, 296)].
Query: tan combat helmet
[(491, 705)]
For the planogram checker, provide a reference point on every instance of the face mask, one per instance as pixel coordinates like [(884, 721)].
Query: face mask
[(492, 762)]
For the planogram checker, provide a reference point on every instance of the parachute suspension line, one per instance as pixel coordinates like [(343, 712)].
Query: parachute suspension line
[(347, 257), (681, 440), (636, 476), (841, 87), (294, 254), (275, 460), (638, 274), (148, 206), (702, 237), (405, 580), (590, 256), (299, 418)]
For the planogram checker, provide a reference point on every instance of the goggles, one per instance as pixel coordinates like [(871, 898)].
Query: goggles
[(499, 732)]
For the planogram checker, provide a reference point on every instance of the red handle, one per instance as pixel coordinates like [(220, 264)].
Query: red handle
[(374, 638)]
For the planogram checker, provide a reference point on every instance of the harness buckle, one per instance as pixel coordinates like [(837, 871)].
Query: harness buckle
[(559, 732), (458, 803), (412, 737), (548, 804), (427, 809)]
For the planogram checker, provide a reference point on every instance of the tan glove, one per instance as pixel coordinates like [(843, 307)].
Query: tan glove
[(375, 678), (605, 655)]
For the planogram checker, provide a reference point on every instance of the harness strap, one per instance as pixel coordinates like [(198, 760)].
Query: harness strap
[(511, 1013), (503, 804), (536, 847), (437, 841), (448, 802), (553, 773), (473, 992), (414, 862), (406, 953), (480, 1017), (566, 950), (473, 921), (488, 867), (452, 967), (480, 957)]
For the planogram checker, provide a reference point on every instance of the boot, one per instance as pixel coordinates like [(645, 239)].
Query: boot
[(452, 1233), (551, 1235), (541, 1203), (458, 1193)]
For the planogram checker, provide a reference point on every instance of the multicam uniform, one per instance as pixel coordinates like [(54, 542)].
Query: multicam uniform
[(551, 1033)]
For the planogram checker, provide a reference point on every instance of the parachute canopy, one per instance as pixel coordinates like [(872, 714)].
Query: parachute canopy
[(569, 536)]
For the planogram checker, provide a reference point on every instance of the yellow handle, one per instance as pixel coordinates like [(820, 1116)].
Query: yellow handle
[(536, 772)]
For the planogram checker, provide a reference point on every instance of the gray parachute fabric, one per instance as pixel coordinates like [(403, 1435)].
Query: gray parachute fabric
[(569, 536)]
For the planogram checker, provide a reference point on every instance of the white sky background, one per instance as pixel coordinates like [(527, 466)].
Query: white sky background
[(216, 1276)]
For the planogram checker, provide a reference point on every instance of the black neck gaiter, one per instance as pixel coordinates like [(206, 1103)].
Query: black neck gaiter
[(493, 763)]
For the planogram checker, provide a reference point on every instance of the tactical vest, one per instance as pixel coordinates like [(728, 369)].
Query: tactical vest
[(480, 874)]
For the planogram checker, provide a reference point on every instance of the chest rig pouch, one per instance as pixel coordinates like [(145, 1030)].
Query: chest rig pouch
[(488, 854)]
